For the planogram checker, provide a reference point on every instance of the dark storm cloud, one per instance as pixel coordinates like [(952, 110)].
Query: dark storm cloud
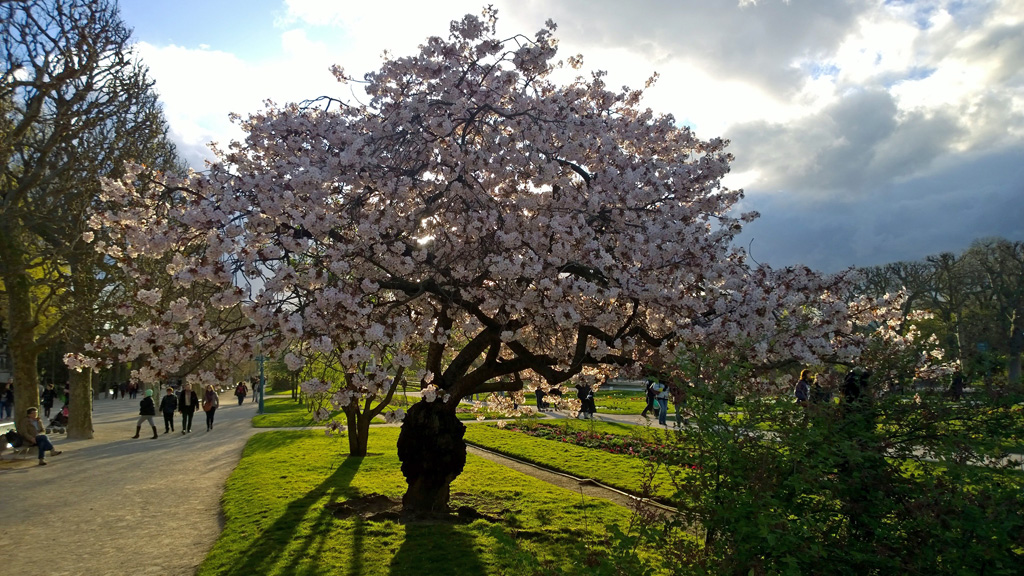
[(965, 199), (856, 145)]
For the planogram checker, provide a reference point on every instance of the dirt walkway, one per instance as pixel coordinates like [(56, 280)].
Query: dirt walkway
[(112, 505)]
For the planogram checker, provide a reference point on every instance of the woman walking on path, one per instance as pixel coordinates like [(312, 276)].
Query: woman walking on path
[(188, 401), (210, 403), (803, 388), (146, 412), (241, 390)]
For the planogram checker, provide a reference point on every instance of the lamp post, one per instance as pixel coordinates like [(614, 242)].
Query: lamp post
[(263, 383)]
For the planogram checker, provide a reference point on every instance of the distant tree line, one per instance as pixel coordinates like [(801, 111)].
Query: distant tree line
[(977, 299)]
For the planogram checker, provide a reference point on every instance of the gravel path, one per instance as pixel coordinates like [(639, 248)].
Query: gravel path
[(112, 505)]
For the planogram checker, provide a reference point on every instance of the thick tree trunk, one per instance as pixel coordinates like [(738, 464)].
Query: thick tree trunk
[(26, 380), (80, 409), (358, 430), (433, 454), (21, 342)]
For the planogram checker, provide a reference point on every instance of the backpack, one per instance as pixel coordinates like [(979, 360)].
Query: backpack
[(13, 438)]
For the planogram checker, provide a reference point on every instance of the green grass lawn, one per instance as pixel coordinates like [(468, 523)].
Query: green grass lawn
[(283, 413), (278, 519), (617, 470), (288, 413), (621, 401)]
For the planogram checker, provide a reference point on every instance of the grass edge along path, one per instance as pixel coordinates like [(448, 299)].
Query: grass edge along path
[(278, 518)]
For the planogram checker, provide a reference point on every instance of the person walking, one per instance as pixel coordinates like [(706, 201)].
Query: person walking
[(541, 404), (33, 431), (48, 396), (146, 412), (210, 404), (956, 388), (168, 404), (649, 393), (7, 400), (803, 387), (241, 390), (678, 394), (661, 396), (586, 396), (188, 402)]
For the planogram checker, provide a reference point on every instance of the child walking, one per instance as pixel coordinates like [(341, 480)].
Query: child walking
[(146, 412), (168, 405)]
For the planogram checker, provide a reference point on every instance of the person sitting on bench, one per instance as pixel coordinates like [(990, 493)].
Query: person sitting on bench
[(34, 433)]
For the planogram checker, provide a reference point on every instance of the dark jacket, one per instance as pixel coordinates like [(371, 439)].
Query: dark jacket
[(146, 407), (192, 406), (169, 404), (49, 395), (803, 390)]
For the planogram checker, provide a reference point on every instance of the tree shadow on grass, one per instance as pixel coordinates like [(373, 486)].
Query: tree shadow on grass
[(437, 548), (279, 548)]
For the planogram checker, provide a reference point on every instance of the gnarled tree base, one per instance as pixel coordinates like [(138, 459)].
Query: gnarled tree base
[(433, 453)]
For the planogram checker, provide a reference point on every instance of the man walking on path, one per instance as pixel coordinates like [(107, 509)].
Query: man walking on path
[(188, 403), (168, 406)]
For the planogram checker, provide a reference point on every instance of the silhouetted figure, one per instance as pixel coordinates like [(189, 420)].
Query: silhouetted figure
[(650, 393), (854, 385), (586, 396), (541, 404), (803, 388), (956, 390)]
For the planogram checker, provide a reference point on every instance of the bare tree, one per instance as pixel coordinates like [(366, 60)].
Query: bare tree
[(76, 105)]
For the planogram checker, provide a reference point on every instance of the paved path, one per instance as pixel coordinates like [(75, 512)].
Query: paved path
[(114, 506)]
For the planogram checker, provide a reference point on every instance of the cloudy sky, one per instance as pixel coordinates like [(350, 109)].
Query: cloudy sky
[(864, 131)]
